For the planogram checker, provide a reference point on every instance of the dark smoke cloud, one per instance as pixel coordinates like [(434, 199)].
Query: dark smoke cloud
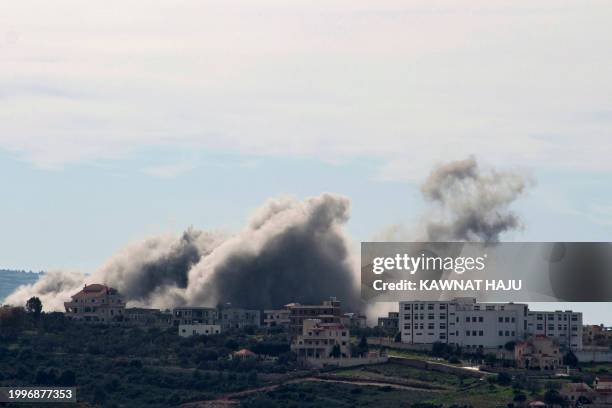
[(471, 203), (302, 256), (290, 251)]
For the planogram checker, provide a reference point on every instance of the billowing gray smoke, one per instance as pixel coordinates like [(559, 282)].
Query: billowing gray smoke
[(470, 204), (290, 251)]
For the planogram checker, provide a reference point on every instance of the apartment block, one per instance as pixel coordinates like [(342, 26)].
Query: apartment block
[(563, 326), (233, 318), (195, 315), (471, 324), (327, 312), (276, 318)]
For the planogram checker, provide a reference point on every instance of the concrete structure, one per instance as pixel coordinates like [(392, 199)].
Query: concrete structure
[(234, 318), (538, 353), (96, 303), (472, 325), (327, 312), (563, 326), (353, 320), (195, 315), (597, 336), (319, 340), (391, 322), (276, 318), (187, 330), (147, 317)]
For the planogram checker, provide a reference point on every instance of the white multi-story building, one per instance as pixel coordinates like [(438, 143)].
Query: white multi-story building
[(187, 330), (470, 324), (563, 326)]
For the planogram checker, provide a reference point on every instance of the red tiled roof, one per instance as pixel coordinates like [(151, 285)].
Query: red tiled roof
[(94, 290), (245, 353)]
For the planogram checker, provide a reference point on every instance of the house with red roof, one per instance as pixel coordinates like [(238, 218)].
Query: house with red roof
[(96, 303)]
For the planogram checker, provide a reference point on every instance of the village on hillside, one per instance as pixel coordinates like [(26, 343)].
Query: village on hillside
[(458, 353)]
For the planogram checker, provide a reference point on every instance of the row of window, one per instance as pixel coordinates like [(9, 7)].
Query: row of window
[(421, 306)]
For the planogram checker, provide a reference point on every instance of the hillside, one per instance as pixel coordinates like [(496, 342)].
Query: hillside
[(9, 280)]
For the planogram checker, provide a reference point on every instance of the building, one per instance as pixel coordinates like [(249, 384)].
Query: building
[(538, 353), (147, 317), (603, 383), (597, 336), (327, 312), (389, 323), (320, 340), (353, 320), (96, 303), (563, 326), (576, 393), (276, 318), (470, 324), (234, 318), (195, 315), (187, 330)]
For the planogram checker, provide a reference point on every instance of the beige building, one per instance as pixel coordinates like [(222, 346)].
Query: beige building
[(321, 340), (96, 303), (276, 318), (539, 353), (597, 336), (327, 312)]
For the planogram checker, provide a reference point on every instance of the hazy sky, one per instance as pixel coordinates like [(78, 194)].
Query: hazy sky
[(119, 119)]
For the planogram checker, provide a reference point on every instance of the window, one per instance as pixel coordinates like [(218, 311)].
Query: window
[(430, 326), (467, 319), (513, 320), (442, 307), (407, 317), (431, 316), (500, 319), (473, 332), (480, 319), (430, 306), (500, 333), (507, 319), (442, 326), (442, 316), (474, 319), (507, 333), (407, 326), (481, 333), (467, 333), (407, 307)]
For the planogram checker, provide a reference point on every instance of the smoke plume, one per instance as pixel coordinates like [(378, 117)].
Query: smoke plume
[(470, 204), (290, 251)]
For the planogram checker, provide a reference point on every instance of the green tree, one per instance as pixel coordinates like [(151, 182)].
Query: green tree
[(34, 306), (570, 359), (335, 353)]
